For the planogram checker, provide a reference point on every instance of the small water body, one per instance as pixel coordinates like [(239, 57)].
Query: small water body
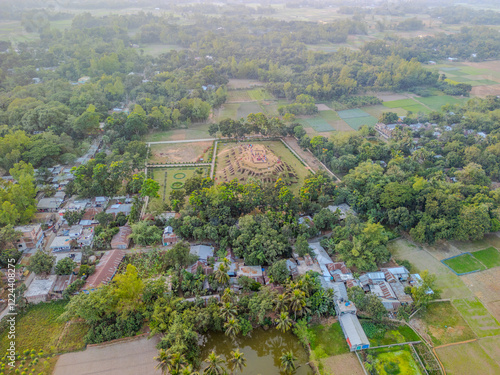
[(262, 350)]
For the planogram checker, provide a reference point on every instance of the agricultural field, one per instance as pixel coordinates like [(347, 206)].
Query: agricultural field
[(489, 257), (394, 360), (407, 105), (157, 49), (468, 358), (356, 118), (14, 32), (39, 328), (164, 153), (477, 316), (174, 177), (485, 285), (442, 324), (464, 263), (342, 364), (267, 161)]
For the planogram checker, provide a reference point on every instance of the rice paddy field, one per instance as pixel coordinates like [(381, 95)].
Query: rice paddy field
[(464, 263)]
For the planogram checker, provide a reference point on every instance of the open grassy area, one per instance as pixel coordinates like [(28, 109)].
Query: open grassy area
[(173, 175), (443, 324), (245, 109), (238, 96), (357, 122), (195, 131), (381, 335), (157, 49), (164, 153), (317, 123), (464, 263), (477, 316), (437, 101), (490, 257), (468, 359), (14, 32), (395, 360), (400, 103), (328, 340), (39, 328), (259, 94)]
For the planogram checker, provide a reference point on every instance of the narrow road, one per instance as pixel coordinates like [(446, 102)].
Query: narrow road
[(178, 165), (214, 156)]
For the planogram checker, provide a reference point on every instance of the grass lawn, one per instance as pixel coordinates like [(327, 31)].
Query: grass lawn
[(490, 257), (444, 324), (400, 103), (464, 263), (352, 113), (38, 328), (245, 109), (477, 316), (416, 108), (195, 131), (468, 359), (380, 335), (318, 124), (166, 185), (329, 116), (328, 341), (396, 360), (238, 96)]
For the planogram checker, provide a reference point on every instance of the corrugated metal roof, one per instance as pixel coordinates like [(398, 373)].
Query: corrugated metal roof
[(353, 330)]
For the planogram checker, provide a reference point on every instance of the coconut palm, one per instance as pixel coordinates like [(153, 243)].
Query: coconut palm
[(280, 303), (297, 302), (232, 328), (164, 358), (188, 370), (237, 361), (228, 296), (307, 284), (177, 362), (214, 364), (221, 275), (227, 311), (284, 323), (288, 362)]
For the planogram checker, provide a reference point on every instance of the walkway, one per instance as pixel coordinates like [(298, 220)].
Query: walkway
[(183, 141)]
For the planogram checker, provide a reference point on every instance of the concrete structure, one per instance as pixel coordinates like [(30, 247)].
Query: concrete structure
[(169, 237), (61, 283), (61, 243), (322, 258), (203, 252), (31, 237), (121, 240), (49, 204), (342, 209), (39, 289), (253, 272), (353, 332), (86, 238), (115, 209), (100, 201), (76, 256), (105, 270)]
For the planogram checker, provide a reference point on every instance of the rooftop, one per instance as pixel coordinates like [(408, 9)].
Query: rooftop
[(250, 271), (105, 269), (61, 241), (353, 330), (40, 286), (203, 252), (344, 209)]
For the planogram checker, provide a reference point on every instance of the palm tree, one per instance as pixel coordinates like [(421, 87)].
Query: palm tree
[(228, 296), (177, 362), (214, 364), (163, 359), (297, 301), (232, 328), (188, 370), (288, 362), (237, 361), (221, 274), (284, 323), (307, 284), (280, 303), (227, 311)]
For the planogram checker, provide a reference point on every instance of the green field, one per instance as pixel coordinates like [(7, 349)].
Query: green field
[(381, 335), (318, 124), (259, 94), (416, 108), (39, 328), (329, 116), (400, 103), (477, 316), (352, 113), (357, 122), (444, 324), (195, 131), (395, 360), (437, 101), (238, 96), (464, 263), (468, 359), (158, 174), (245, 109), (490, 257), (327, 340)]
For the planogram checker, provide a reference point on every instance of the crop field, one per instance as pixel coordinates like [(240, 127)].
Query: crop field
[(39, 328), (14, 32), (167, 177), (344, 364), (450, 284), (490, 257), (477, 316), (468, 358), (394, 360), (437, 101), (244, 109), (442, 324), (356, 118), (485, 285), (265, 160), (380, 335), (318, 124), (158, 49), (165, 153), (259, 94), (464, 263), (238, 96), (491, 345)]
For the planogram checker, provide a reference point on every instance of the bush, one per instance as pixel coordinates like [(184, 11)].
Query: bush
[(73, 287), (374, 331), (114, 327)]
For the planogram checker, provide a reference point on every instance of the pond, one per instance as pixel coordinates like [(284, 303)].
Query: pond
[(262, 350)]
